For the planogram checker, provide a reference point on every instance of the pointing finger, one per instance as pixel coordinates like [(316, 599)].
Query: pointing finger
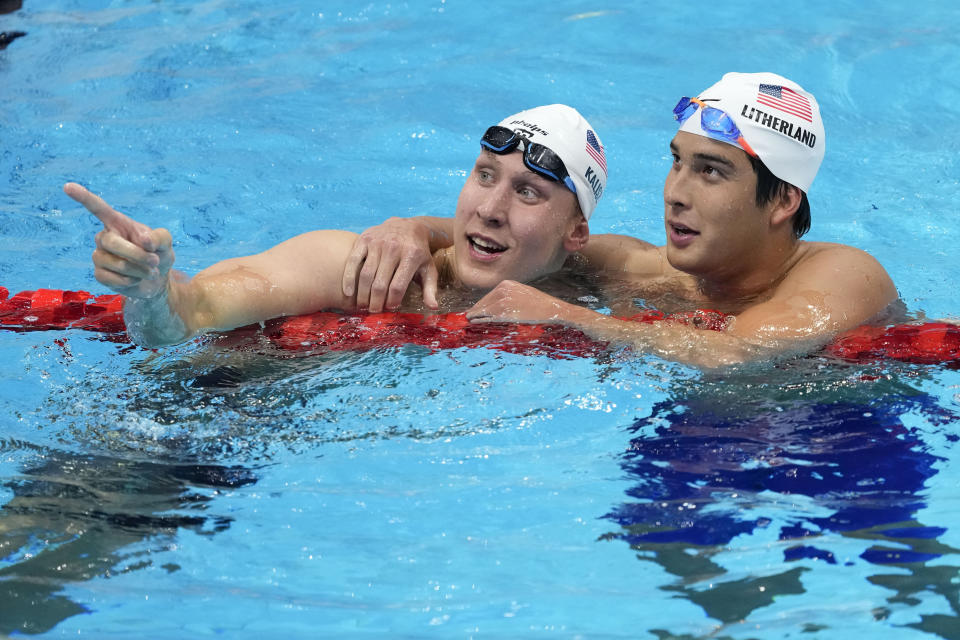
[(110, 217)]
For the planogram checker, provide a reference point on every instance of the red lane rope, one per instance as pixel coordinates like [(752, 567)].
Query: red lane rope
[(45, 309)]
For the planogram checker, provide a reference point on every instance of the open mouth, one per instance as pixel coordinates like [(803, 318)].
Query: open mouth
[(681, 230), (484, 246)]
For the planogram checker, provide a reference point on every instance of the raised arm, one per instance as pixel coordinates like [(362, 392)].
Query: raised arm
[(386, 258), (163, 306)]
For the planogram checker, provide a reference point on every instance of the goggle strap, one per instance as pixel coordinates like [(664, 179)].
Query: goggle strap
[(495, 149)]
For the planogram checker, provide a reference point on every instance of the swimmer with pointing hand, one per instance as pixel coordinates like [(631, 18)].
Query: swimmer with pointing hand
[(521, 213)]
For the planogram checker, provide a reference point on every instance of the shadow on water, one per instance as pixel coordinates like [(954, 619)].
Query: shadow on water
[(76, 517), (6, 37), (812, 470), (80, 517)]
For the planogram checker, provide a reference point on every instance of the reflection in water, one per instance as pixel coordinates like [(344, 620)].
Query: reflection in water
[(811, 471), (78, 517)]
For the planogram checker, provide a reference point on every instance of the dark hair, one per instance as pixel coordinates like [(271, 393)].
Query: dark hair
[(770, 186)]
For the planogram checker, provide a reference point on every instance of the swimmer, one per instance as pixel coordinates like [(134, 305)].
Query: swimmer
[(522, 212), (735, 207)]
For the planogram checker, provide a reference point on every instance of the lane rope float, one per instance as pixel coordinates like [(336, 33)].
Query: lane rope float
[(57, 309)]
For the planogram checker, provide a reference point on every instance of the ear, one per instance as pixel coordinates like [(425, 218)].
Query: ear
[(785, 205), (577, 235)]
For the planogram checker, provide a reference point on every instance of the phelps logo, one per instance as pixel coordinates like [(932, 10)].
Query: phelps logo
[(529, 128)]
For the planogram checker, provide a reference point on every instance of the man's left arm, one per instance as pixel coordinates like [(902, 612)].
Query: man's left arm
[(835, 290)]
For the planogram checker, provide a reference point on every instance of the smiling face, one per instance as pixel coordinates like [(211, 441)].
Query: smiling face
[(513, 224), (715, 229)]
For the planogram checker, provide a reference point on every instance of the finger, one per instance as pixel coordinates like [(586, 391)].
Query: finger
[(478, 312), (350, 270), (367, 275), (428, 281), (162, 246), (113, 243), (481, 317), (386, 274), (115, 264), (110, 217), (114, 280), (400, 282)]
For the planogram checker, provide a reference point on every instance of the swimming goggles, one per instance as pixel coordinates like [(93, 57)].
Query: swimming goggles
[(536, 157), (716, 122)]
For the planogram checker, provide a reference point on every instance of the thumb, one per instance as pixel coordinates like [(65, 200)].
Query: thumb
[(160, 242)]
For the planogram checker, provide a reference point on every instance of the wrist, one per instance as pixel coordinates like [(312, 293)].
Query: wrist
[(152, 322), (436, 231)]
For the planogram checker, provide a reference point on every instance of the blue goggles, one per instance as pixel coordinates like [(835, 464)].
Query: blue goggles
[(536, 157), (716, 122)]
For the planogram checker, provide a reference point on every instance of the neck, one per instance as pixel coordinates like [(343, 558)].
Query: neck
[(753, 281)]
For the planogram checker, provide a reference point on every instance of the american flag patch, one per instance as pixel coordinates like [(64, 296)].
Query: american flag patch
[(786, 100), (595, 150)]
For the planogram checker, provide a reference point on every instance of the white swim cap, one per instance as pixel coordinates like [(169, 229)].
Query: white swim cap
[(777, 118), (565, 132)]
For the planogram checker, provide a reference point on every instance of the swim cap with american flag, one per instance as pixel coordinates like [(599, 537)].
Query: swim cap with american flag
[(568, 134)]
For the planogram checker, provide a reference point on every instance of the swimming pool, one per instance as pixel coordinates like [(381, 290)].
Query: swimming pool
[(202, 491)]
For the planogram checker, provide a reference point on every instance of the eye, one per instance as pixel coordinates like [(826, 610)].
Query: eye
[(712, 171), (484, 175), (528, 193)]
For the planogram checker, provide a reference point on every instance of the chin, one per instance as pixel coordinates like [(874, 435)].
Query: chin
[(470, 279), (682, 261)]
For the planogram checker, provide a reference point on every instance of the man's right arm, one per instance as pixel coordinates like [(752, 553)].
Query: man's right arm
[(162, 307)]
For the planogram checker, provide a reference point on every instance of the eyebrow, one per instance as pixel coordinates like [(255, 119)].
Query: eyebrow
[(707, 157)]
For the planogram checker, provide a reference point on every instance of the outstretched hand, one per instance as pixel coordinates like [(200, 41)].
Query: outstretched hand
[(384, 261), (131, 258)]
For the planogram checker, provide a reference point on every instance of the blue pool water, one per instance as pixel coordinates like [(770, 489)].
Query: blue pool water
[(197, 491)]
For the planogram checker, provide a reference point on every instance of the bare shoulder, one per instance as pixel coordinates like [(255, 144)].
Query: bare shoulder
[(833, 259), (844, 278), (827, 289)]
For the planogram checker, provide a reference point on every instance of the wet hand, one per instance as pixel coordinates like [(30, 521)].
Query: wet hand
[(384, 261), (511, 301), (131, 258)]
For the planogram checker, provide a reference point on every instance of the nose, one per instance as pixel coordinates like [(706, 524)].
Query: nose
[(675, 188), (495, 205)]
